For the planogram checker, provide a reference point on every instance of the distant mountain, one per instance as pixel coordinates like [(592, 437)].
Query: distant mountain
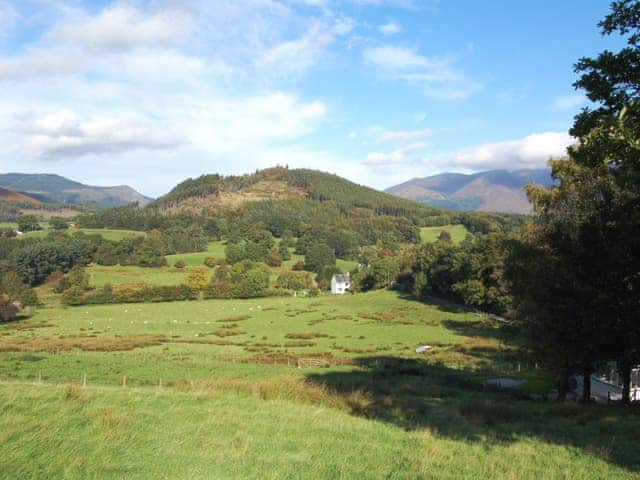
[(9, 196), (492, 191), (51, 188)]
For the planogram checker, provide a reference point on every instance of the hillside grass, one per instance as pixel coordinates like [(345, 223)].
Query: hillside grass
[(430, 234), (214, 249), (232, 403), (287, 431), (107, 234)]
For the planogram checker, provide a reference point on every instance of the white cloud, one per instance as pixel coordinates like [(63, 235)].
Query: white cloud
[(389, 29), (120, 27), (532, 151), (41, 63), (436, 77), (64, 134), (569, 102), (403, 136)]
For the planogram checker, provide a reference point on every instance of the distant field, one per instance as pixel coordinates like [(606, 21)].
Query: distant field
[(430, 234), (215, 249), (212, 391), (107, 234), (119, 275)]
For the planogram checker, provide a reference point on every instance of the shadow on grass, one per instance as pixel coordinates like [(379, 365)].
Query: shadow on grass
[(440, 303), (415, 394)]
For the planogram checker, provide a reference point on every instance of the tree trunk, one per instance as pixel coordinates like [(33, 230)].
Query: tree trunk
[(625, 374), (586, 385), (563, 385)]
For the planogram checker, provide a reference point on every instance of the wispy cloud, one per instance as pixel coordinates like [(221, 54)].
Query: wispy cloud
[(389, 29), (437, 77)]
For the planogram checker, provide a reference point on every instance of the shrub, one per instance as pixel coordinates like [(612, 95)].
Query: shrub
[(8, 309), (198, 278), (73, 296), (210, 262), (273, 259), (180, 264), (298, 266)]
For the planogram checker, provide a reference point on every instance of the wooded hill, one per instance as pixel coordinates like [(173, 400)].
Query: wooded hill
[(197, 195)]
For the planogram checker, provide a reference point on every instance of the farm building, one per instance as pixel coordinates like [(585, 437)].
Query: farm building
[(340, 284)]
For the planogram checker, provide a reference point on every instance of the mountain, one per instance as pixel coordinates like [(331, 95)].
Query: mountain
[(51, 188), (280, 183), (492, 191), (9, 196)]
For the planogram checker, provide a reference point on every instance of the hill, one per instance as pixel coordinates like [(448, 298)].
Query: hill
[(51, 188), (492, 191), (280, 183), (10, 196)]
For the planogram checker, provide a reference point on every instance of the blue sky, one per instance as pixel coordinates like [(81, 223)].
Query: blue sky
[(147, 93)]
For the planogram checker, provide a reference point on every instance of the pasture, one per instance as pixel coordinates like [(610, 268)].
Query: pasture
[(107, 234), (211, 389), (430, 234)]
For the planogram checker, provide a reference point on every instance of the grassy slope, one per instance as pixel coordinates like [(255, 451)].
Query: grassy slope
[(215, 249), (430, 234), (115, 235), (248, 420), (61, 432)]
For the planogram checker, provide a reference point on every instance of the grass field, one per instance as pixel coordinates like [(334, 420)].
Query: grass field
[(212, 391), (430, 234), (107, 234), (214, 249)]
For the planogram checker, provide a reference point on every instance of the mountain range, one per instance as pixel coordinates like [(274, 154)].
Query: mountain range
[(492, 191), (50, 188)]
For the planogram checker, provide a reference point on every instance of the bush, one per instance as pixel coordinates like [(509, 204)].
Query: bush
[(198, 278), (8, 309), (180, 264), (298, 266), (273, 259), (210, 262), (73, 296)]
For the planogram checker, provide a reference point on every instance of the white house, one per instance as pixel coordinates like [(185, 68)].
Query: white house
[(340, 284)]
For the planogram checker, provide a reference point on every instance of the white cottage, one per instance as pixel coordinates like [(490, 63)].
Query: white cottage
[(340, 284)]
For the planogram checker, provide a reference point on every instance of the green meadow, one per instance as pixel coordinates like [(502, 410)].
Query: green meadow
[(430, 234), (212, 389)]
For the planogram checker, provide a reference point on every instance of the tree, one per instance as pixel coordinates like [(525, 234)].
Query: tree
[(273, 259), (283, 251), (8, 309), (198, 278), (58, 223), (28, 223), (319, 256)]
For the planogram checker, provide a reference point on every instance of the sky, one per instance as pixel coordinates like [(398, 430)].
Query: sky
[(148, 93)]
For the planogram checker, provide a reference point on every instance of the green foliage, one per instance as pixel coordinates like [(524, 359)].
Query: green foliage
[(77, 277), (198, 278), (58, 223), (11, 284), (179, 264), (28, 223), (295, 281), (210, 262), (73, 296), (8, 309), (319, 256), (273, 258)]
